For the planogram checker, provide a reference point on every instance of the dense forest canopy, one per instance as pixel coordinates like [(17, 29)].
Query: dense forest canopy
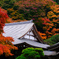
[(44, 13)]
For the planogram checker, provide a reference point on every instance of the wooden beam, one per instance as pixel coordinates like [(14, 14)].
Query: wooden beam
[(31, 35), (37, 35)]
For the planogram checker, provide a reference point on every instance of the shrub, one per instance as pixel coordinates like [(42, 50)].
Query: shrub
[(31, 53), (53, 40)]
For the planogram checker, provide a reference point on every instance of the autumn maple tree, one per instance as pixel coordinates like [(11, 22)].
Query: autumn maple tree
[(50, 26), (5, 42), (50, 23)]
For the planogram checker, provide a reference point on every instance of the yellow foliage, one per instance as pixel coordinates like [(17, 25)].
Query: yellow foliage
[(51, 15), (55, 8)]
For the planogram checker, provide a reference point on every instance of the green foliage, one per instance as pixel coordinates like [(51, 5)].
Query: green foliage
[(53, 40), (31, 53), (57, 1), (8, 4), (39, 24), (15, 7)]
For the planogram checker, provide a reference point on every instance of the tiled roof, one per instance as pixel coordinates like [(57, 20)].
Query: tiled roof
[(17, 30), (17, 23), (31, 42)]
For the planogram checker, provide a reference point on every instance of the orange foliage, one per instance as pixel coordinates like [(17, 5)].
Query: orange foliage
[(53, 25), (43, 35), (55, 8), (5, 42), (50, 27), (9, 20)]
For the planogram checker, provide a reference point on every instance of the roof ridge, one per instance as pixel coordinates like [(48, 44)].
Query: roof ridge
[(16, 23)]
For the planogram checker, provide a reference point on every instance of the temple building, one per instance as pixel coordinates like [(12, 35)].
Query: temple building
[(26, 35)]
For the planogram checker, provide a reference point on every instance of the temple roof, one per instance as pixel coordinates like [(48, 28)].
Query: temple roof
[(31, 42), (19, 29), (54, 47)]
